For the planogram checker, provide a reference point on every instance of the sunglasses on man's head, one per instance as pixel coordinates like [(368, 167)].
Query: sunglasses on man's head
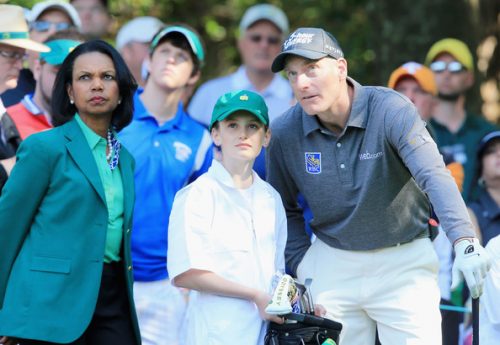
[(441, 66), (271, 40), (44, 26)]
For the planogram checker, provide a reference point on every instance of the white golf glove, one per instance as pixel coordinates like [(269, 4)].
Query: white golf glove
[(472, 262)]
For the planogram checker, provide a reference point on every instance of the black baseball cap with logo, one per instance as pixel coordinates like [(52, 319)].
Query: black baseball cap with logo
[(310, 43)]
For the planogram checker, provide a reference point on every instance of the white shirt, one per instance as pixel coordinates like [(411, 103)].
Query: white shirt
[(278, 95), (213, 228), (489, 311)]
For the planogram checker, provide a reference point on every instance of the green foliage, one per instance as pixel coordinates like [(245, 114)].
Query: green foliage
[(376, 35)]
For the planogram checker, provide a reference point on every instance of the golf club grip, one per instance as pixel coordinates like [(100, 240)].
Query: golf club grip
[(475, 321)]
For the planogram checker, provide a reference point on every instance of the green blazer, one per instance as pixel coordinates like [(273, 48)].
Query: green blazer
[(53, 223)]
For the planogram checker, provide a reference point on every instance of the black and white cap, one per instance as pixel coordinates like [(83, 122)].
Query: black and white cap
[(310, 43)]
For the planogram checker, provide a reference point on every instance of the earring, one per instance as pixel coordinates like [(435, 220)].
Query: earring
[(120, 101), (71, 101)]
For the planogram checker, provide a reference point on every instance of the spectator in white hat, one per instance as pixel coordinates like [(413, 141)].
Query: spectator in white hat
[(262, 30), (132, 41), (14, 40), (45, 19), (95, 16)]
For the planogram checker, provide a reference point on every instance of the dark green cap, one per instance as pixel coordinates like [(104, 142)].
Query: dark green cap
[(241, 100)]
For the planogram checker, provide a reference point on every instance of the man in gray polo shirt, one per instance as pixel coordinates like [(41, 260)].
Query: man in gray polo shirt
[(367, 166)]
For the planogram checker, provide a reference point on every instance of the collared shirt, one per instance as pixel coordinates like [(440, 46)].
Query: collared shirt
[(167, 158), (278, 95), (462, 146), (240, 237), (487, 213), (113, 190), (28, 117), (366, 187)]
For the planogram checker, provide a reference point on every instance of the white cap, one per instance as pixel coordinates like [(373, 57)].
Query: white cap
[(55, 4), (140, 29), (264, 12)]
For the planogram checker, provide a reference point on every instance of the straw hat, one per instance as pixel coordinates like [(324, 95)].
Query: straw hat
[(14, 29)]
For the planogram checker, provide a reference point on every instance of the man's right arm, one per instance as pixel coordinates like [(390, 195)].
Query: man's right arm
[(279, 177)]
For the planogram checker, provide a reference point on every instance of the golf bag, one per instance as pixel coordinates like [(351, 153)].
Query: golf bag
[(293, 301), (312, 330)]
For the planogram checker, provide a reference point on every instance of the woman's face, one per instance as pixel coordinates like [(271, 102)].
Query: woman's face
[(491, 162), (94, 89)]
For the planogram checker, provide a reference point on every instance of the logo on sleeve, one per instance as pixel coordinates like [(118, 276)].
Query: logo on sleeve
[(313, 162)]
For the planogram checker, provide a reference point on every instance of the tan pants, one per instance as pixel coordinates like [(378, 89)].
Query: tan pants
[(393, 289)]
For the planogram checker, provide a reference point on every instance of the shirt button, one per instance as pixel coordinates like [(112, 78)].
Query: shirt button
[(130, 268), (342, 166), (339, 144), (128, 231), (156, 144)]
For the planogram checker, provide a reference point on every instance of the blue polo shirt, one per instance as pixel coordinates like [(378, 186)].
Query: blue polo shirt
[(167, 158)]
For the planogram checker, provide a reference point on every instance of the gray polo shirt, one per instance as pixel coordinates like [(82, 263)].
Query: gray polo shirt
[(368, 187)]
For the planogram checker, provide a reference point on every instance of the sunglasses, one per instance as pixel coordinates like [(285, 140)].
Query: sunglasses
[(441, 66), (14, 56), (271, 40), (44, 26)]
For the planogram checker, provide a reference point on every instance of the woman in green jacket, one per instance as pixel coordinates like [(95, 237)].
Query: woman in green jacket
[(65, 214)]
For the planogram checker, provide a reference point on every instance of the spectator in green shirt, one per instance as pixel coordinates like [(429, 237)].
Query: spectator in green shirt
[(457, 132)]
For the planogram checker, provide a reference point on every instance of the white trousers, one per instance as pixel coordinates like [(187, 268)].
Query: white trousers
[(161, 308), (393, 289)]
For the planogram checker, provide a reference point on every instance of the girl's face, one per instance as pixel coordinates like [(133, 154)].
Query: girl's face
[(491, 162), (241, 137)]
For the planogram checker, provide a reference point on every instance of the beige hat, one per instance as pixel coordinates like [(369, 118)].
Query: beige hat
[(14, 29)]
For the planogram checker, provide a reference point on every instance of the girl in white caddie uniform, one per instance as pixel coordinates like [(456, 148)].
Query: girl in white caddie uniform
[(228, 231)]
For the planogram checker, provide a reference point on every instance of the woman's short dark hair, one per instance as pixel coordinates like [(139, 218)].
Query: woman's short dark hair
[(63, 110)]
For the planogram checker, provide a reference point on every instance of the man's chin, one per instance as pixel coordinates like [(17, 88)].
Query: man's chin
[(452, 97)]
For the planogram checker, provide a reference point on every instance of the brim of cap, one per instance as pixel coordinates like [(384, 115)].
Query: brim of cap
[(487, 139), (225, 115), (26, 44), (55, 60), (197, 50), (279, 61)]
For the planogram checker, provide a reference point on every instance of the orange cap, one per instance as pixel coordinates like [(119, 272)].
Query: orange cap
[(423, 75)]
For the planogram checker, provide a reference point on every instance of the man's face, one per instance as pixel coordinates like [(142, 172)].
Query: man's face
[(45, 76), (134, 54), (171, 67), (316, 84), (11, 62), (47, 24), (94, 16), (451, 84), (259, 45), (423, 100)]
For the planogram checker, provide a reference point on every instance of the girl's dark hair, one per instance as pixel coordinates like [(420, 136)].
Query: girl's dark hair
[(63, 110)]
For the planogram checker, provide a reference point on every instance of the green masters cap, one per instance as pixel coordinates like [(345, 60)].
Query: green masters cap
[(241, 100), (59, 49), (191, 37)]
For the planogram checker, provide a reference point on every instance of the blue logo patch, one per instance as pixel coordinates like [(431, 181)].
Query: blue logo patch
[(313, 162)]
